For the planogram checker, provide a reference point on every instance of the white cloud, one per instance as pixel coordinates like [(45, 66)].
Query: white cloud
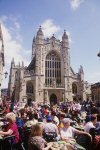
[(49, 28), (17, 25), (4, 18), (13, 47), (76, 3)]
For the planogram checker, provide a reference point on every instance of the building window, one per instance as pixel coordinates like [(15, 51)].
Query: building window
[(29, 88), (74, 88), (53, 71)]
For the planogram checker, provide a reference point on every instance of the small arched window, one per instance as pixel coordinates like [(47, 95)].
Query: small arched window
[(74, 88), (29, 88)]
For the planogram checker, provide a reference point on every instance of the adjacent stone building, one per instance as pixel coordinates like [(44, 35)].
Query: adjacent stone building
[(49, 77), (95, 89), (1, 58)]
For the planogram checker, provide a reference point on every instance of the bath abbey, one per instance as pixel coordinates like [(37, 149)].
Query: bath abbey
[(49, 78)]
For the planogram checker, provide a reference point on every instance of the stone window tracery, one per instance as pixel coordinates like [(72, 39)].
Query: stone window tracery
[(52, 69)]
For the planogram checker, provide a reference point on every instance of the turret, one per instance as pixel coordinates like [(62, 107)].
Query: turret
[(81, 73), (12, 63), (22, 64), (65, 40), (19, 64), (33, 47), (66, 53), (40, 37)]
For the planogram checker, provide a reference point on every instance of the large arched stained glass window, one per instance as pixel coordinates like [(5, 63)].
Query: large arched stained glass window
[(52, 69)]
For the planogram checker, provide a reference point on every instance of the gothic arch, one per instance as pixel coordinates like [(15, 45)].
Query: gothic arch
[(54, 51), (74, 88), (53, 99), (52, 68)]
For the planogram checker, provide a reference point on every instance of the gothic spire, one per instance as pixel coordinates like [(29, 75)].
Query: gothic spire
[(65, 39), (12, 63), (40, 31), (39, 36), (65, 36)]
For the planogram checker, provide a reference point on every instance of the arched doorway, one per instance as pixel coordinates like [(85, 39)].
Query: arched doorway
[(29, 101), (53, 99)]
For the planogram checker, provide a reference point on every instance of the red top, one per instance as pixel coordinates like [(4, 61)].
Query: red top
[(46, 111), (14, 128)]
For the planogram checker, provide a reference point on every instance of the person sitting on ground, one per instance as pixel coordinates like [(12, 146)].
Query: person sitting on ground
[(36, 142), (67, 132)]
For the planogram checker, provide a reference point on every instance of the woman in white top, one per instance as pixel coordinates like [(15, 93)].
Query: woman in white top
[(67, 132)]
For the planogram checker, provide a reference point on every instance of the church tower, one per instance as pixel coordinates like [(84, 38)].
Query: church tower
[(39, 60), (66, 61), (66, 53), (33, 48), (11, 78)]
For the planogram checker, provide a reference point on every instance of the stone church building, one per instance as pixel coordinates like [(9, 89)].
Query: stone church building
[(49, 77)]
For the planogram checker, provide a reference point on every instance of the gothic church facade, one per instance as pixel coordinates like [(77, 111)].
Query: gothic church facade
[(49, 77)]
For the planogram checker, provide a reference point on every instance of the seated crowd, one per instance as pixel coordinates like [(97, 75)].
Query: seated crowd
[(36, 128)]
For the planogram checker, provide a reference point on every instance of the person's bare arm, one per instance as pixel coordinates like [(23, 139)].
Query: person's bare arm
[(82, 132), (9, 132)]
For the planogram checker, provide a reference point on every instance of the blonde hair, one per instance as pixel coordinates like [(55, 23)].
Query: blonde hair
[(11, 116), (37, 130)]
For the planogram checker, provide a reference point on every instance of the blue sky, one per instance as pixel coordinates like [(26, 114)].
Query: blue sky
[(81, 18)]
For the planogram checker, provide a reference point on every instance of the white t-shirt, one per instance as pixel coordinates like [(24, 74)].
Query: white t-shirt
[(68, 132), (78, 106), (88, 126)]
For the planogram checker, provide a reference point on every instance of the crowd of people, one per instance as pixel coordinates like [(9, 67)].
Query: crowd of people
[(37, 126)]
